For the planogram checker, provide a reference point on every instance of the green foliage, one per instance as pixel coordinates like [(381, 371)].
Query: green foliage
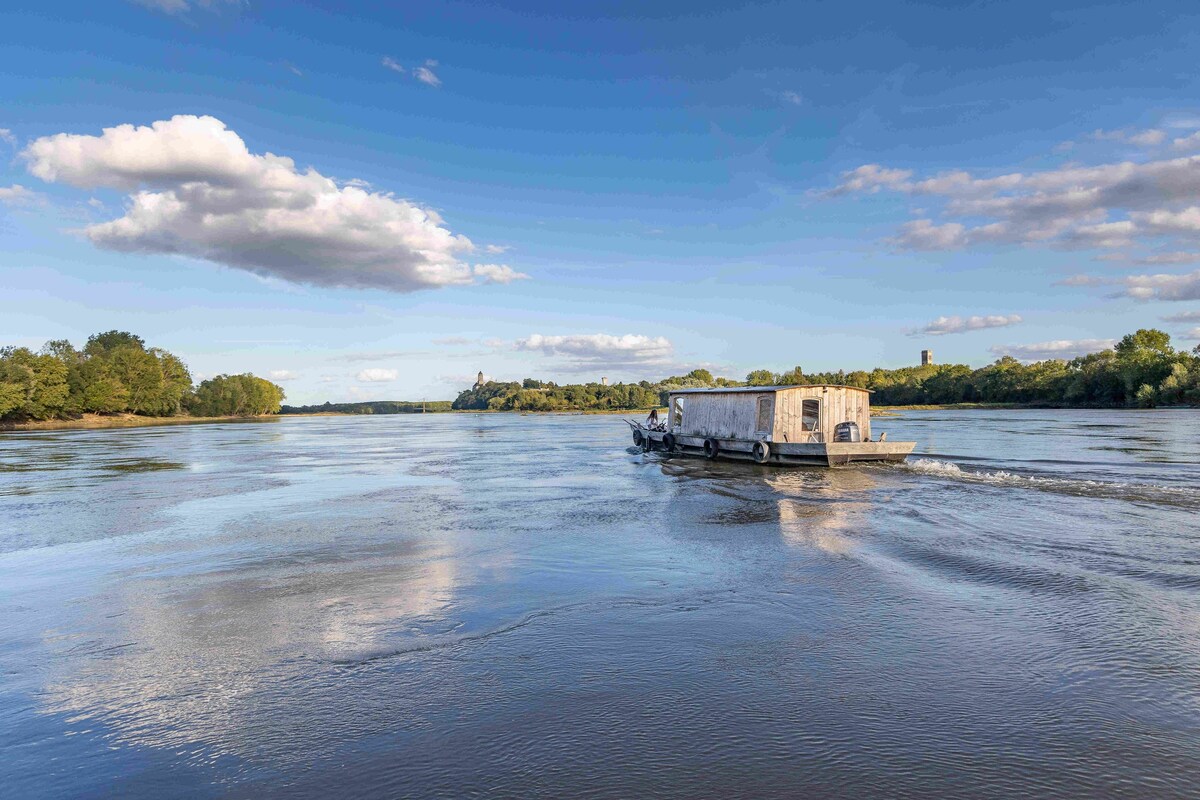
[(114, 373), (372, 407), (32, 386), (236, 396), (495, 396)]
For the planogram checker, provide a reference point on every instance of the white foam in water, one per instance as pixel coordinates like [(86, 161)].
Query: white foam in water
[(1112, 489)]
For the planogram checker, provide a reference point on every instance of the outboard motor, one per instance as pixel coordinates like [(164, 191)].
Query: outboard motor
[(846, 432)]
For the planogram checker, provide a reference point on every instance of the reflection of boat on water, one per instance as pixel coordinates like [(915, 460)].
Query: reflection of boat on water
[(823, 425)]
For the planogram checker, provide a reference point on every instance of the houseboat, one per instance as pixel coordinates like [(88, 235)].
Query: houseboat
[(823, 425)]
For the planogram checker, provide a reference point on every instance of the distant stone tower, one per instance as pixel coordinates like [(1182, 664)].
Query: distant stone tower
[(479, 381), (604, 381), (926, 358)]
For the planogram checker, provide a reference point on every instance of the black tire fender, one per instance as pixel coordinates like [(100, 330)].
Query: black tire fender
[(762, 451), (711, 448), (638, 438), (668, 443)]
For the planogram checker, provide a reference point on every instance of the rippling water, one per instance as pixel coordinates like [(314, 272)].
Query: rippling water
[(499, 605)]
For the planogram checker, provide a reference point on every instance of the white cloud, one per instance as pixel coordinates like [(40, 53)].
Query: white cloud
[(292, 68), (1105, 206), (16, 195), (922, 234), (601, 350), (7, 137), (792, 98), (1163, 286), (1059, 348), (197, 190), (1147, 138), (1187, 143), (377, 375), (1169, 258), (497, 249), (944, 325), (1186, 316), (871, 178), (180, 6), (1194, 333), (282, 375), (454, 341), (1082, 280), (497, 273), (425, 75), (392, 64)]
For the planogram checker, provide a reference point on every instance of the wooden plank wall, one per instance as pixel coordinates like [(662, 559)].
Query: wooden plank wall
[(722, 416), (837, 405)]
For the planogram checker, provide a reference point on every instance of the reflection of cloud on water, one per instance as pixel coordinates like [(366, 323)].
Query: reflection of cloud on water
[(240, 660)]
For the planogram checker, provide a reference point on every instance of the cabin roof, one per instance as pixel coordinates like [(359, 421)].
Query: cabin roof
[(761, 389)]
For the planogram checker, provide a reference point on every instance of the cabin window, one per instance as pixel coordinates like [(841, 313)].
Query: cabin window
[(676, 411), (810, 415), (766, 414)]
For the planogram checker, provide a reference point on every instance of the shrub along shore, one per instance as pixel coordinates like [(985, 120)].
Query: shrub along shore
[(116, 378)]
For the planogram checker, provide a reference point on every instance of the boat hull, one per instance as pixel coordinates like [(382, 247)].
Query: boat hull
[(825, 454)]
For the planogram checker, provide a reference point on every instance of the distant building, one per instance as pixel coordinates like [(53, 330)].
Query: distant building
[(604, 381), (479, 381), (926, 358)]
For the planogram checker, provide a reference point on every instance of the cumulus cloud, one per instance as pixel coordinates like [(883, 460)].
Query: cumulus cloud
[(1186, 316), (1146, 138), (1187, 143), (16, 195), (1106, 206), (282, 375), (497, 273), (1058, 348), (601, 349), (1163, 286), (944, 325), (1169, 258), (377, 375), (197, 190)]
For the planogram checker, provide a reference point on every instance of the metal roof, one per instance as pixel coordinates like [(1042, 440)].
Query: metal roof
[(761, 389)]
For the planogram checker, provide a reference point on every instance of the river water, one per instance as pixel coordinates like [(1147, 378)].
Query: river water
[(525, 606)]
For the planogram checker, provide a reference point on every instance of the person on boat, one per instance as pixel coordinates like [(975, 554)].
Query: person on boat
[(652, 420)]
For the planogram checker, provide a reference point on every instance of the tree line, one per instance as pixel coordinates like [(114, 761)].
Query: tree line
[(116, 373), (372, 407), (1142, 370)]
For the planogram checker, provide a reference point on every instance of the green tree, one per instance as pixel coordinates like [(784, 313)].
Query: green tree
[(760, 377), (32, 386)]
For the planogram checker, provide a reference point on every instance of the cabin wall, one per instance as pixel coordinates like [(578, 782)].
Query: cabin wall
[(837, 405), (720, 416)]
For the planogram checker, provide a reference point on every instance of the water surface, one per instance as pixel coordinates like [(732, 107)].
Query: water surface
[(525, 606)]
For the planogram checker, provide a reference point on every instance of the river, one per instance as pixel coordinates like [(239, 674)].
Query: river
[(526, 606)]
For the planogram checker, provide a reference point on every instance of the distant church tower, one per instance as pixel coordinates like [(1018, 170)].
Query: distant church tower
[(926, 358), (479, 381)]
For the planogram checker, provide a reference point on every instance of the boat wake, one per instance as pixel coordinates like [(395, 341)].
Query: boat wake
[(1113, 490)]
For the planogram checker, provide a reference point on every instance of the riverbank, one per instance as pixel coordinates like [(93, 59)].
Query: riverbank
[(101, 421)]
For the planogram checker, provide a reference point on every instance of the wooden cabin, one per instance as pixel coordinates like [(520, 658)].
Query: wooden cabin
[(821, 423), (772, 413)]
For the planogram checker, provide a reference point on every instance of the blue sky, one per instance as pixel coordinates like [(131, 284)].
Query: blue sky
[(542, 190)]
